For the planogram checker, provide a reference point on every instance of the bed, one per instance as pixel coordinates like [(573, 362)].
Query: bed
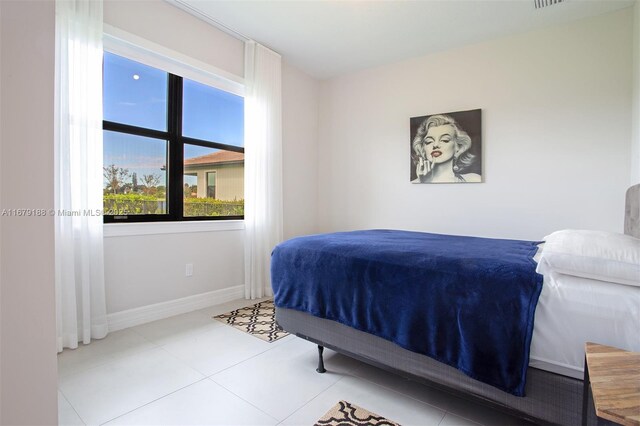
[(572, 308)]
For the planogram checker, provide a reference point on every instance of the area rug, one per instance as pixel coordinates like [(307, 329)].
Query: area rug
[(258, 320), (345, 413)]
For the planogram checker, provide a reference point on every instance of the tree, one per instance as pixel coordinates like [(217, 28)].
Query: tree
[(134, 181), (114, 176), (150, 182)]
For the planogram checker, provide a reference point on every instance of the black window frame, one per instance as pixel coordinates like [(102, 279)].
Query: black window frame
[(175, 159)]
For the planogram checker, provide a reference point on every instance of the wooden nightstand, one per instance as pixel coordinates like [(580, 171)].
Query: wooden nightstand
[(614, 376)]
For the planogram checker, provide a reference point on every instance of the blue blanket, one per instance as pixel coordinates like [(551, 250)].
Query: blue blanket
[(464, 301)]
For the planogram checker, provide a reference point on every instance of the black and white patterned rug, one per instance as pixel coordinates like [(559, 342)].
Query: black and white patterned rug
[(345, 413), (258, 320)]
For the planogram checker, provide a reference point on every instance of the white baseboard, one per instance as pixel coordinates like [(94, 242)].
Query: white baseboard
[(144, 314)]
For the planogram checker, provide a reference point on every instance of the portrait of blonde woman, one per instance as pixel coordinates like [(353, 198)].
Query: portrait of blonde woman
[(446, 148)]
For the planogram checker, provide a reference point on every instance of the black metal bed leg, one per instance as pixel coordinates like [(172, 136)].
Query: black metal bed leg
[(320, 368)]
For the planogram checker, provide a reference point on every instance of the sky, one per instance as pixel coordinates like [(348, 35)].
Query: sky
[(136, 94)]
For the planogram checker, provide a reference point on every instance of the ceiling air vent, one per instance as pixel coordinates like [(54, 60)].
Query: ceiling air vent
[(544, 3)]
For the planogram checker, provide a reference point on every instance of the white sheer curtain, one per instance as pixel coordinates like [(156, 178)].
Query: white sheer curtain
[(79, 280), (263, 165)]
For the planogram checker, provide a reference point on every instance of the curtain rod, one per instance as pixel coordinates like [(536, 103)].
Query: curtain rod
[(197, 13)]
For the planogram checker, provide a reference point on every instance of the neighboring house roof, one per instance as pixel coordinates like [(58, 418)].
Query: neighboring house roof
[(219, 157)]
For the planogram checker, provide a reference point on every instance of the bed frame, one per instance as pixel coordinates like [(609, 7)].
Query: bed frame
[(550, 398)]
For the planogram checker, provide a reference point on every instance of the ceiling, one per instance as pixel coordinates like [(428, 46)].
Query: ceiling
[(326, 38)]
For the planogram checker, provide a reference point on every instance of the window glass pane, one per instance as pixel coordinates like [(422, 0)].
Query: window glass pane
[(212, 114), (134, 174), (134, 93), (213, 182)]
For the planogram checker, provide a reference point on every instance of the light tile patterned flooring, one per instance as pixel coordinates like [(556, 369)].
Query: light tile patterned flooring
[(192, 370)]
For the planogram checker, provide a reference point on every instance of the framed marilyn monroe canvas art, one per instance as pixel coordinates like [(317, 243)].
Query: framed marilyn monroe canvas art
[(446, 147)]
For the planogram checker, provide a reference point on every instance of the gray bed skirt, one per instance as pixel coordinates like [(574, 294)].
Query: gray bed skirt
[(550, 398)]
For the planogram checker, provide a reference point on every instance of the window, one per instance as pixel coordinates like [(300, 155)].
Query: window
[(173, 147), (211, 184)]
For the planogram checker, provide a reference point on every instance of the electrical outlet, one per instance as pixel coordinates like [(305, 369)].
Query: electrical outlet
[(188, 270)]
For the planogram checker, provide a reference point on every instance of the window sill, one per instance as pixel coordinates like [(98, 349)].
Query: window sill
[(156, 228)]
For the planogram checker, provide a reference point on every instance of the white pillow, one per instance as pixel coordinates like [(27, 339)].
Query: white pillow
[(598, 255)]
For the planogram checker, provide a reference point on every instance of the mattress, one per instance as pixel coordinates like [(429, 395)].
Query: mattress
[(572, 311), (467, 302)]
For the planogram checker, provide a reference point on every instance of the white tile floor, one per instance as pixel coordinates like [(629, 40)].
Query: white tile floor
[(192, 370)]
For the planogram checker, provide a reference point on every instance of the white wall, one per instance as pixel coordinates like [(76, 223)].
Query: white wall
[(28, 389), (172, 28), (635, 150), (148, 269), (1, 401), (1, 223), (143, 270), (300, 97), (556, 131)]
